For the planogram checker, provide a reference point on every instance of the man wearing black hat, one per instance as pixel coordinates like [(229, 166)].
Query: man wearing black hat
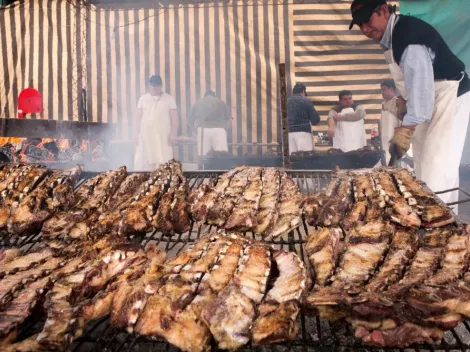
[(301, 115), (433, 81)]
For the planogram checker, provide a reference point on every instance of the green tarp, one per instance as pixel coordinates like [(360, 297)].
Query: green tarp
[(450, 17)]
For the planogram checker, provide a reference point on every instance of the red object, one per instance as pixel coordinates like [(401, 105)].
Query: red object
[(29, 101)]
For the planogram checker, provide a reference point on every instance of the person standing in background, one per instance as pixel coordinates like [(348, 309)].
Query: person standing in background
[(156, 127), (389, 116), (301, 115), (209, 119), (346, 123)]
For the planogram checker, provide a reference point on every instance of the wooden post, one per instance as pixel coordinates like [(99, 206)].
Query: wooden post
[(284, 125)]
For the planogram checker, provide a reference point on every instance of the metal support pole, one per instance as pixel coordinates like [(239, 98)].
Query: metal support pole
[(284, 125)]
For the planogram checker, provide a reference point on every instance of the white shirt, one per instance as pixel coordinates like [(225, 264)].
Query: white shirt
[(416, 65), (146, 100)]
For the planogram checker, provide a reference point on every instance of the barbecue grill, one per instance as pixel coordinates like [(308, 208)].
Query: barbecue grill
[(328, 161), (315, 334)]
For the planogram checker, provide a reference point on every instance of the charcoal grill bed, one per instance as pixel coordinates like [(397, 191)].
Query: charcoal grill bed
[(315, 334), (329, 161)]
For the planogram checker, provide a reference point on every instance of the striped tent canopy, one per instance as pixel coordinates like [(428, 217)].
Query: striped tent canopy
[(109, 49), (328, 57)]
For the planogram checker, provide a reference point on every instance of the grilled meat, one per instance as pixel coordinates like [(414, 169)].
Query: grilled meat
[(276, 323), (402, 248), (102, 191), (126, 189), (12, 283), (61, 223), (435, 215), (7, 255), (365, 248), (355, 216), (168, 312), (244, 215), (323, 248), (88, 198), (63, 322), (412, 189), (24, 182), (328, 211), (263, 200), (131, 293), (21, 307), (6, 169), (288, 209), (24, 262), (400, 336), (393, 294), (268, 205), (204, 204), (53, 194), (138, 216), (364, 188), (180, 214), (12, 176), (455, 260), (332, 186), (221, 211), (311, 207), (29, 178), (111, 211), (202, 292), (230, 317), (162, 219), (400, 212), (277, 314), (291, 282), (425, 262)]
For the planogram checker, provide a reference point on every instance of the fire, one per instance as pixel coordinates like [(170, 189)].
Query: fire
[(47, 150)]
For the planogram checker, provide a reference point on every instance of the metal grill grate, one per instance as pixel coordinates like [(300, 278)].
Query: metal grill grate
[(315, 334)]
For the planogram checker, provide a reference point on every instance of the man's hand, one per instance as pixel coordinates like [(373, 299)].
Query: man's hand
[(401, 108), (331, 132), (172, 140), (400, 142), (338, 117)]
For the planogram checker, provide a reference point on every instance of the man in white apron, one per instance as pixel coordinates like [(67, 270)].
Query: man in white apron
[(156, 127), (301, 115), (434, 83), (388, 119), (346, 123), (209, 118)]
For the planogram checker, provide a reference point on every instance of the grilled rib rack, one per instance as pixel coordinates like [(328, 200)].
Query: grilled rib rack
[(315, 334)]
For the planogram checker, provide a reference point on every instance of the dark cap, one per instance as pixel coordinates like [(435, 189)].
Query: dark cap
[(155, 81), (362, 10), (299, 88)]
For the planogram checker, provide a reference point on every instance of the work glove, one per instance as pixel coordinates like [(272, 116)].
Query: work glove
[(401, 108), (400, 142)]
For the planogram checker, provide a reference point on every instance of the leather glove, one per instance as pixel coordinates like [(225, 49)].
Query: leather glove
[(401, 108), (400, 142)]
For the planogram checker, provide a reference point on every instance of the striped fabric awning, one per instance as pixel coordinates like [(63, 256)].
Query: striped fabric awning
[(328, 58), (233, 48)]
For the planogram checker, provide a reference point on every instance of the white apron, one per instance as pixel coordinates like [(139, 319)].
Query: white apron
[(435, 155), (388, 122), (349, 135), (153, 146)]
